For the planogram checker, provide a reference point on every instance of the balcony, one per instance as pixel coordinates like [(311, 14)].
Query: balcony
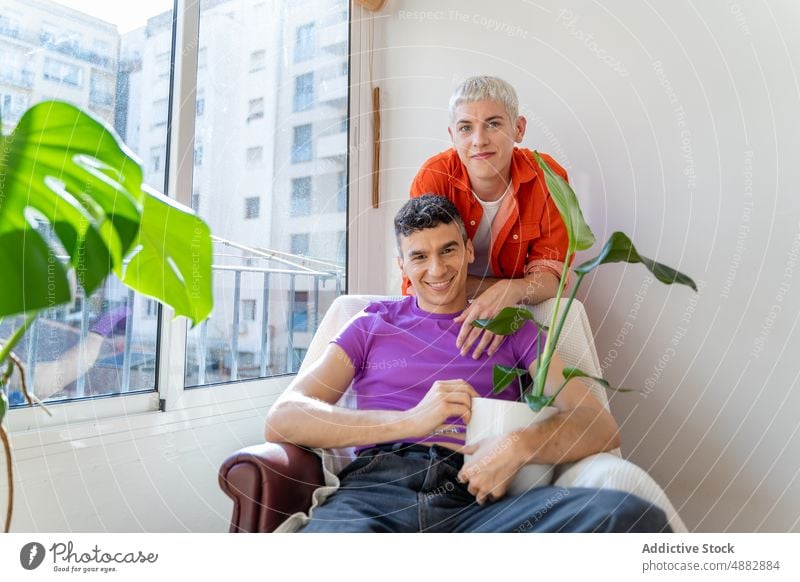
[(332, 146)]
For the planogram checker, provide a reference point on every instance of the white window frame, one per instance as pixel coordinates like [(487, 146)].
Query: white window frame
[(135, 411)]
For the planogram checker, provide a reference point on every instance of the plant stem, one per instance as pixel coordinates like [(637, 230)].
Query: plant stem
[(549, 344), (563, 319), (9, 476), (9, 344)]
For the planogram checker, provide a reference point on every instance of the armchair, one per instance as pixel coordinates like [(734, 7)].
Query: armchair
[(273, 486)]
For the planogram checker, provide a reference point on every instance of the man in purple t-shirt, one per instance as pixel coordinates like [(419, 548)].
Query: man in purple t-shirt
[(414, 393)]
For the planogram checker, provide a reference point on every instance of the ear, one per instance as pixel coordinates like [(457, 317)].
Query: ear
[(519, 128), (450, 132), (400, 264), (470, 252)]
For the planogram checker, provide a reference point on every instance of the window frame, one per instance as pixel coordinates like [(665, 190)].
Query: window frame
[(169, 394)]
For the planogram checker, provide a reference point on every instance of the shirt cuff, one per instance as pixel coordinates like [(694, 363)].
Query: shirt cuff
[(547, 266)]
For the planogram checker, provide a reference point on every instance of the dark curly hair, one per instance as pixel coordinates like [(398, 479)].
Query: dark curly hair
[(427, 211)]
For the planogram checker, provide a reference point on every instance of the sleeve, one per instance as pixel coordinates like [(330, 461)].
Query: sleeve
[(353, 338), (548, 252)]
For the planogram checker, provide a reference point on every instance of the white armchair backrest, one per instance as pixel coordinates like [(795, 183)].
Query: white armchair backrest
[(576, 345)]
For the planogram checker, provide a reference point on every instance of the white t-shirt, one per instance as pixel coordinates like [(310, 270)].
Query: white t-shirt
[(482, 241)]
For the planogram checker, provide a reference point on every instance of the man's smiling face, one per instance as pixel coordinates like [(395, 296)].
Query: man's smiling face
[(435, 260)]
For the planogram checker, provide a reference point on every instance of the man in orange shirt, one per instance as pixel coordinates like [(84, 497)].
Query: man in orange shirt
[(519, 237)]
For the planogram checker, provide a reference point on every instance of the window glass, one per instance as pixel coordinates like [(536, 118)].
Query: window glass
[(104, 344)]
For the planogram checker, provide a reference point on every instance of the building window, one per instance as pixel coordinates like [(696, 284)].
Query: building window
[(248, 310), (258, 60), (255, 109), (160, 112), (255, 155), (304, 42), (303, 91), (301, 144), (156, 159), (252, 207), (301, 196), (196, 202), (341, 247), (341, 193), (200, 104), (299, 245), (198, 154), (61, 72)]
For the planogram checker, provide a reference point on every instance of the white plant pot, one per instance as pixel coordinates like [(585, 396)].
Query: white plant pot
[(492, 418)]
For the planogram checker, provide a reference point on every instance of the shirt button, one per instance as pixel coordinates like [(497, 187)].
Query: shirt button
[(516, 236), (472, 223)]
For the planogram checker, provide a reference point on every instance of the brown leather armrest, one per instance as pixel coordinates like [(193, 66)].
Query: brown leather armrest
[(268, 483)]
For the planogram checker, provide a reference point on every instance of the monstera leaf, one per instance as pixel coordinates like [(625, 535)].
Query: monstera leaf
[(70, 188)]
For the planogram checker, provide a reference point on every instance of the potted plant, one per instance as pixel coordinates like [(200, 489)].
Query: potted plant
[(70, 187), (494, 417)]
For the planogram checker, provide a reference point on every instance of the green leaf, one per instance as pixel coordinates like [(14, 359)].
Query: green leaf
[(536, 403), (61, 166), (570, 373), (619, 248), (33, 277), (507, 321), (503, 376), (3, 403), (171, 260), (579, 233)]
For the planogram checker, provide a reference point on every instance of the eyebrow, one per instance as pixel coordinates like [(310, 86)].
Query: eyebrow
[(412, 253), (473, 120)]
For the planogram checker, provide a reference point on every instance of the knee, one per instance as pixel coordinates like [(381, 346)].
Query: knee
[(626, 512)]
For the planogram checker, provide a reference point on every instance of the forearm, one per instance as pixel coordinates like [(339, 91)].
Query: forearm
[(530, 290), (314, 423), (569, 436)]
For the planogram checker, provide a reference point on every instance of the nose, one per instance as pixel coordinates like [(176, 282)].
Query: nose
[(436, 267), (480, 136)]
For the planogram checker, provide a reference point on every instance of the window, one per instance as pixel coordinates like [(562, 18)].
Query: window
[(341, 247), (196, 202), (156, 159), (301, 196), (256, 165), (299, 244), (303, 91), (63, 72), (248, 310), (255, 155), (304, 42), (301, 144), (252, 207), (70, 50), (160, 112), (255, 109), (300, 311), (200, 104), (258, 60), (198, 154)]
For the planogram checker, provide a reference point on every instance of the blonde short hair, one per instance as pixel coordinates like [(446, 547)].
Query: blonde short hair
[(485, 88)]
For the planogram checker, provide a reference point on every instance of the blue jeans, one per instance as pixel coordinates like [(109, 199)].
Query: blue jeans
[(413, 488)]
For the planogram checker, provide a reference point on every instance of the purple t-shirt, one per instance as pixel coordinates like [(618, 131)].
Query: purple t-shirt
[(399, 351)]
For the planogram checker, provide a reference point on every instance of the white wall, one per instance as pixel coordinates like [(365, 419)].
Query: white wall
[(680, 124)]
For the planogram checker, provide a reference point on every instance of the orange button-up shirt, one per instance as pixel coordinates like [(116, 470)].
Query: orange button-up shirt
[(532, 236)]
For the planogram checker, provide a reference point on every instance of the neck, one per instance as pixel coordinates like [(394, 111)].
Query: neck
[(491, 189), (457, 305)]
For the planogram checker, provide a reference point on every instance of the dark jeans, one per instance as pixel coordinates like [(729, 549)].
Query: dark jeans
[(413, 488)]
